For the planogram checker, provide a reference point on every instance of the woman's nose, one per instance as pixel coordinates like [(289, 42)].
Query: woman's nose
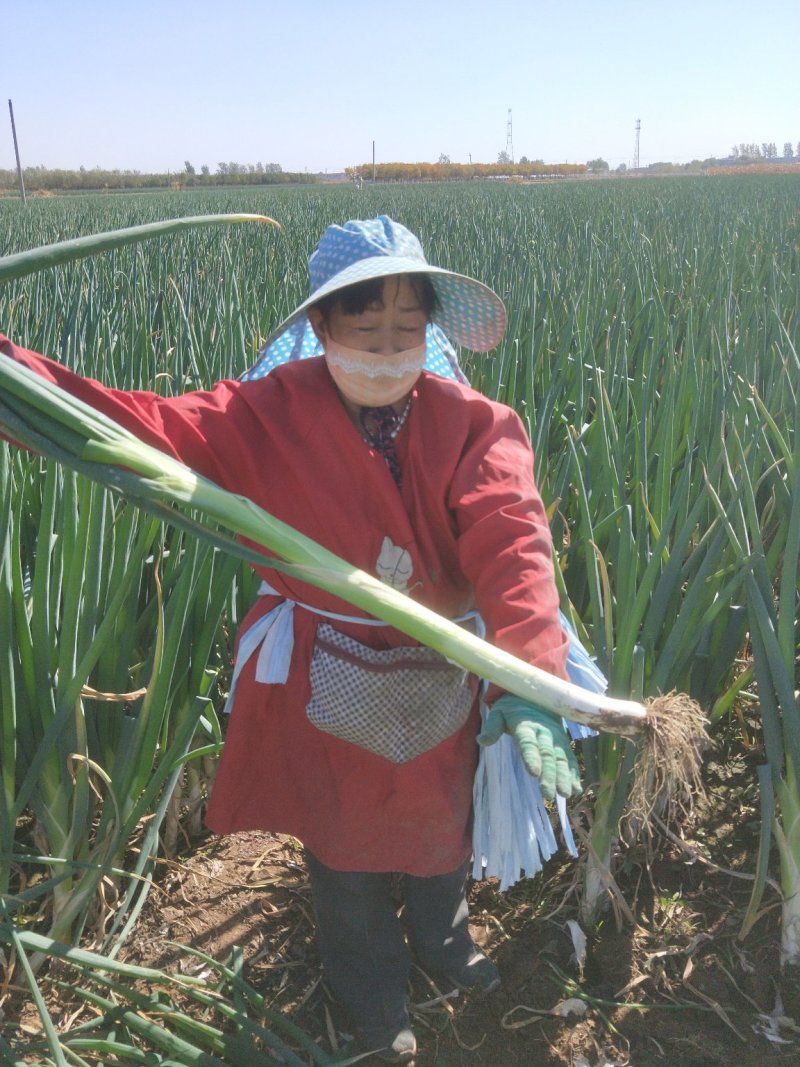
[(390, 343)]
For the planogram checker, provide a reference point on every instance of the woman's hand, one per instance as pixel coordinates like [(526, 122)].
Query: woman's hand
[(542, 741)]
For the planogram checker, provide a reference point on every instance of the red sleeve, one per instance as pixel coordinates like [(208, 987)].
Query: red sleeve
[(197, 428), (505, 546)]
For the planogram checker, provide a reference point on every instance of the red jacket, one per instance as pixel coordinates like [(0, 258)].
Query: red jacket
[(473, 526)]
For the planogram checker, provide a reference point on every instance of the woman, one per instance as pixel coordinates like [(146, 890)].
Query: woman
[(354, 428)]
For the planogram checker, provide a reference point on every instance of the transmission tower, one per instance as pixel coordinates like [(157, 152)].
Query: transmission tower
[(636, 149), (509, 138)]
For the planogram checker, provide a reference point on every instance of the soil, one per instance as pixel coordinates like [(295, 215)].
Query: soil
[(666, 977)]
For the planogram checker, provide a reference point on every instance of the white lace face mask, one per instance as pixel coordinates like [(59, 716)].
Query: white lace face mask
[(370, 379)]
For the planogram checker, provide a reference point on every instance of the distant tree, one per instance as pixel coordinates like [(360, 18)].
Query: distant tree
[(503, 157), (274, 168), (187, 166), (443, 159), (598, 166), (621, 169), (222, 168), (96, 178), (524, 159), (735, 152), (788, 153)]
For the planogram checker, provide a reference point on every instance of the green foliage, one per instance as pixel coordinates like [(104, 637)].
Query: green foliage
[(651, 351), (141, 1015), (49, 180)]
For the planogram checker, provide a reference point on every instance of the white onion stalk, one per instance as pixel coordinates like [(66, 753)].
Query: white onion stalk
[(672, 727)]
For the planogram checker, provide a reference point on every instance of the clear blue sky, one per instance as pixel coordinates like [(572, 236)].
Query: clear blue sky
[(310, 84)]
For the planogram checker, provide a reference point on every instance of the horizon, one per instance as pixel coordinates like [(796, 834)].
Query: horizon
[(139, 172)]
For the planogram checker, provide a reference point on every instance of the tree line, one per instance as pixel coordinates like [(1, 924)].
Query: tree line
[(446, 171), (97, 179), (765, 150)]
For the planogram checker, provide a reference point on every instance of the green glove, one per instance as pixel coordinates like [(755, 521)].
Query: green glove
[(542, 741)]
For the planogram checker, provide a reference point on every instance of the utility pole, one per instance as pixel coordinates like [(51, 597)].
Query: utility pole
[(509, 139), (20, 180), (636, 149)]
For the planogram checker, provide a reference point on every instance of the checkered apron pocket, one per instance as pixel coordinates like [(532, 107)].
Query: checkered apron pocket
[(397, 703)]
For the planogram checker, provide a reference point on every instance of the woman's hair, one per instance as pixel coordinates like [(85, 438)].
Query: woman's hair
[(355, 299)]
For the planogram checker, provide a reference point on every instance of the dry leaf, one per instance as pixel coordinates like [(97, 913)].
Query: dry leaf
[(573, 1006)]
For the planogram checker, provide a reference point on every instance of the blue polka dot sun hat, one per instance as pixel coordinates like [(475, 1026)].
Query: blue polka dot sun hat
[(469, 313)]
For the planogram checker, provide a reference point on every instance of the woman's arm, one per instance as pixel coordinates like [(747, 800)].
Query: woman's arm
[(504, 542), (200, 428)]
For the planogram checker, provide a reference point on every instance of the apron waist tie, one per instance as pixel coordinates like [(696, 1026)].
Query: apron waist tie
[(272, 637)]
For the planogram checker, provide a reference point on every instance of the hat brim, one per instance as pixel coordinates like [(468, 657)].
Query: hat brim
[(469, 312)]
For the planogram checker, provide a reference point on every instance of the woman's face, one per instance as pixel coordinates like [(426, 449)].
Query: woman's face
[(393, 323)]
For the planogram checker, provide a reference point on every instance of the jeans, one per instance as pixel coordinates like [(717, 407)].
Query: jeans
[(365, 957)]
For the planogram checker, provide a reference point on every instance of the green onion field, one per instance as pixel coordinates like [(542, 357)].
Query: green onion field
[(653, 351)]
